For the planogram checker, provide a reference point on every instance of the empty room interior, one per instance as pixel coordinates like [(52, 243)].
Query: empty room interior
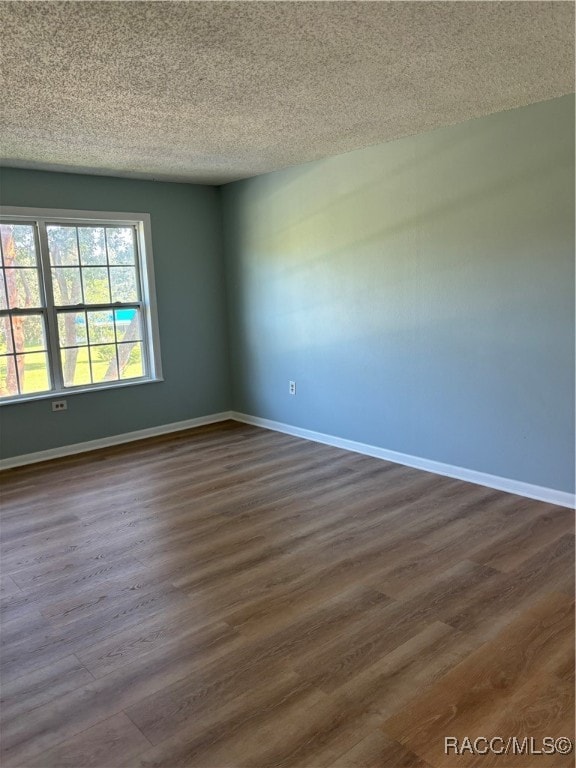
[(287, 384)]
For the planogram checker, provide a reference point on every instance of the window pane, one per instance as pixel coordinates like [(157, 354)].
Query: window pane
[(128, 325), (8, 380), (18, 246), (101, 327), (23, 288), (130, 359), (123, 280), (96, 287), (104, 365), (3, 299), (33, 371), (120, 245), (5, 336), (62, 246), (66, 285), (29, 335), (72, 329), (92, 245), (75, 367)]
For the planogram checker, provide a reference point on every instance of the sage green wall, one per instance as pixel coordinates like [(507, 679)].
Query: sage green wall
[(420, 292), (186, 240)]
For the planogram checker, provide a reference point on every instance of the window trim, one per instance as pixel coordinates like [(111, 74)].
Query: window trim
[(145, 265)]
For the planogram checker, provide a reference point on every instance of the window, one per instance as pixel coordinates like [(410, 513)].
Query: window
[(77, 305)]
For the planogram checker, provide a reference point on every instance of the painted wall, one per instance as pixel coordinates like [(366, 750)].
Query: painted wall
[(186, 240), (420, 292)]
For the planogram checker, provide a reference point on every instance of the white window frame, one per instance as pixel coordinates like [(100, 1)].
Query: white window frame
[(40, 217)]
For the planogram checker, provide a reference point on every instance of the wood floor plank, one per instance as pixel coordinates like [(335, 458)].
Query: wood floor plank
[(468, 700), (112, 742), (21, 629), (87, 620), (151, 635), (68, 715), (320, 734), (235, 731), (162, 714), (308, 584), (394, 677), (53, 570), (231, 597), (8, 586), (20, 527), (376, 751), (27, 692), (80, 581), (510, 594), (540, 708), (514, 547)]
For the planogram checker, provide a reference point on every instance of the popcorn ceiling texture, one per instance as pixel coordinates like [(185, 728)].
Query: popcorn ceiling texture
[(211, 92)]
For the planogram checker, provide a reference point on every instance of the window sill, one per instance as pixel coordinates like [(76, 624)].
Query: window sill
[(64, 394)]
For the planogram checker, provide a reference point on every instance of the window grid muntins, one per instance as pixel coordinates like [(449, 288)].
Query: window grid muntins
[(99, 333), (95, 277), (96, 266), (24, 364)]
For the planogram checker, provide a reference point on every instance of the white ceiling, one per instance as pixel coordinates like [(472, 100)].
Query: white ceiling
[(211, 92)]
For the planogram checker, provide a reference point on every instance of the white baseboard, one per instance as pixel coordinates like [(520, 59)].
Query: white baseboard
[(550, 495), (105, 442)]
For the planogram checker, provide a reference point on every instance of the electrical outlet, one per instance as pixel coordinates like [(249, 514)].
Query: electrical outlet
[(59, 405), (292, 387)]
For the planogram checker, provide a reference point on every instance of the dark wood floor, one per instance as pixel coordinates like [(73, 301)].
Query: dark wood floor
[(235, 597)]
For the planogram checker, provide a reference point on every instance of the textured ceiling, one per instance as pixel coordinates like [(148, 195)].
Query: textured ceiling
[(216, 91)]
